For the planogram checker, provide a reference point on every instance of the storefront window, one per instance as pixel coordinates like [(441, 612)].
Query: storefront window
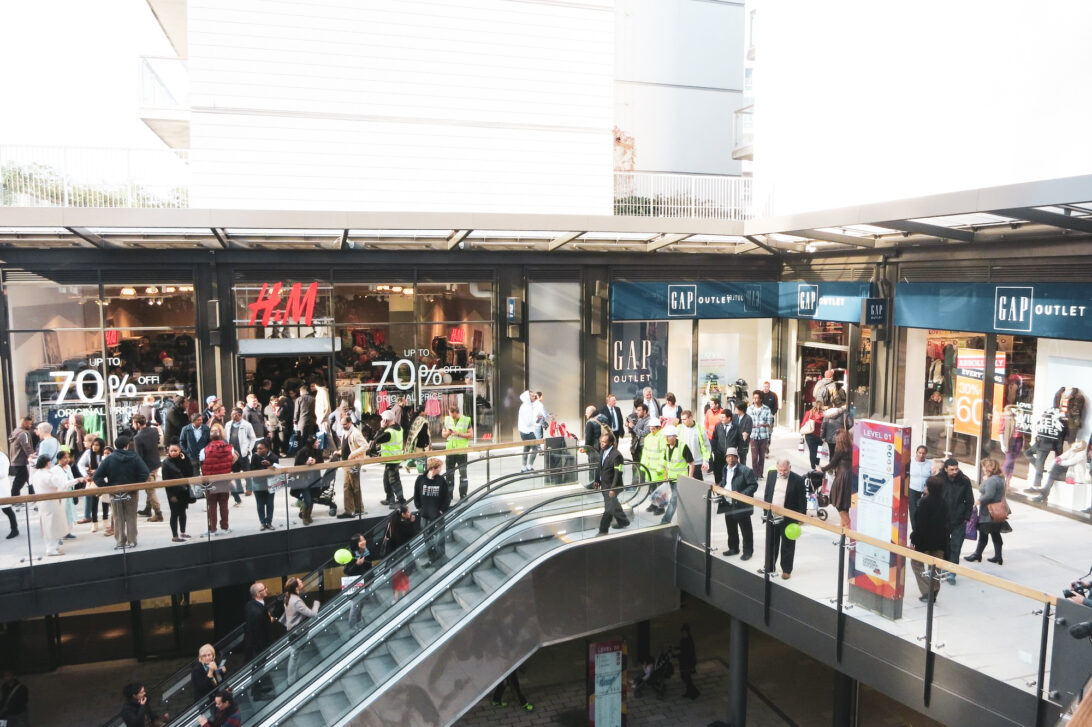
[(148, 306), (834, 333), (1012, 430), (553, 335), (53, 306), (860, 397)]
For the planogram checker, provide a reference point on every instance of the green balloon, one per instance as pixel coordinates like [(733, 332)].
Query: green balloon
[(792, 531), (343, 556)]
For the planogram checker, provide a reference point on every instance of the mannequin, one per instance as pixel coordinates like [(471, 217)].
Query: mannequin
[(1012, 441), (1071, 402), (1073, 461), (1050, 434)]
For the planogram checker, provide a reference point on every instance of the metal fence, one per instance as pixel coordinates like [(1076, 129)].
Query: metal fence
[(42, 176), (650, 194)]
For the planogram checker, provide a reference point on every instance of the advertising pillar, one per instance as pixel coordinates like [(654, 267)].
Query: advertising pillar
[(607, 684), (881, 465)]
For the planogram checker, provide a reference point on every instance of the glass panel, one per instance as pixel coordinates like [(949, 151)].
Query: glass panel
[(374, 303), (553, 302), (860, 397), (455, 302), (57, 374), (138, 305), (731, 351), (953, 393), (555, 372), (638, 360), (1012, 432), (52, 306), (833, 333), (145, 369)]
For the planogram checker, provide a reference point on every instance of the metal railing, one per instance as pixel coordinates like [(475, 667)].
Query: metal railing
[(651, 194), (45, 176)]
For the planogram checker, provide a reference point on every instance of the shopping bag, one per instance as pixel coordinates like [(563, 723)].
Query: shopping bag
[(971, 531), (661, 495)]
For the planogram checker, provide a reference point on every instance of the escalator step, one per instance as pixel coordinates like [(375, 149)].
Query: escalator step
[(308, 718), (447, 614), (534, 548), (425, 631), (403, 649), (333, 703), (509, 561), (489, 579), (468, 596), (466, 535), (380, 666)]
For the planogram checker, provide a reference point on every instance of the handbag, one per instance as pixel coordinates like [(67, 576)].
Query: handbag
[(808, 427), (971, 531), (198, 492), (999, 511)]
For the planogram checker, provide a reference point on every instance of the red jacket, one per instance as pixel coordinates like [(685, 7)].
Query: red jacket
[(218, 458)]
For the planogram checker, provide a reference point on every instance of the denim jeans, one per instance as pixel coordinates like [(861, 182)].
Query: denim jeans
[(529, 448), (264, 499)]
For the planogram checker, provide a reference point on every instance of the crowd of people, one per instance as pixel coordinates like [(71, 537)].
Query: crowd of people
[(181, 440)]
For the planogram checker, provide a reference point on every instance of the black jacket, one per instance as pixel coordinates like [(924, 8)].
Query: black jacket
[(930, 524), (620, 431), (610, 477), (134, 714), (178, 469), (592, 431), (796, 497), (174, 420), (726, 435), (958, 497), (122, 467), (199, 678), (256, 633), (146, 443), (744, 482), (745, 424), (431, 496)]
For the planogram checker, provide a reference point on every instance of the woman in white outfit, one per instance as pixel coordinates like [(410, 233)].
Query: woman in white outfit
[(295, 612), (47, 478)]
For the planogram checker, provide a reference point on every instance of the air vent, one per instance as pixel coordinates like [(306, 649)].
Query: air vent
[(846, 273), (950, 271), (1061, 271), (51, 277)]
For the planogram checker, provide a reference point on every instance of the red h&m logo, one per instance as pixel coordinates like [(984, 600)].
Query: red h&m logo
[(298, 308)]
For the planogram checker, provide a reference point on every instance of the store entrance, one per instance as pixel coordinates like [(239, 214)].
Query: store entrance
[(814, 361), (284, 374)]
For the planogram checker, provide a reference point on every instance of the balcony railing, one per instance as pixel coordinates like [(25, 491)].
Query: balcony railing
[(36, 176), (651, 194), (164, 84), (744, 131)]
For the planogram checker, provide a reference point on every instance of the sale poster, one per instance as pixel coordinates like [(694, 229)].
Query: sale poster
[(881, 463), (606, 684), (970, 388)]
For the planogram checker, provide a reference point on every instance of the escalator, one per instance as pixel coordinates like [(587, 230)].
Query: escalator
[(431, 593)]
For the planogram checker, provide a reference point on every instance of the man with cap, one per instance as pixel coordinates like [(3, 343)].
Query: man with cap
[(739, 478), (389, 443), (652, 451), (211, 402), (678, 461)]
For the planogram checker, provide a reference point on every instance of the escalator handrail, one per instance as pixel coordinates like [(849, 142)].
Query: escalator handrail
[(495, 538), (230, 641), (385, 566)]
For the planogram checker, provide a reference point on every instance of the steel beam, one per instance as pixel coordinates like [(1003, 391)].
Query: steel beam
[(344, 242), (923, 228), (456, 237), (221, 237), (834, 237), (87, 236), (760, 244), (662, 241), (562, 240), (1082, 224)]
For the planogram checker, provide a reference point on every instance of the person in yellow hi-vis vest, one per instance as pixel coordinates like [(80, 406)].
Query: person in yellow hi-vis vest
[(678, 461), (457, 431), (389, 441), (652, 451)]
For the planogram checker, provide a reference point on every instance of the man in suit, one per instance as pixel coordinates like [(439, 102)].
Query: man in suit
[(593, 430), (745, 424), (614, 417), (306, 424), (256, 634), (784, 488), (737, 515), (608, 481)]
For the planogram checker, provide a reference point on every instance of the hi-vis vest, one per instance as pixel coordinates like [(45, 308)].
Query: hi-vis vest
[(652, 453), (393, 445), (676, 465), (457, 441)]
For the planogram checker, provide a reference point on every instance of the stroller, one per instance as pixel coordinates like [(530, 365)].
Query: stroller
[(322, 489), (655, 675), (818, 496)]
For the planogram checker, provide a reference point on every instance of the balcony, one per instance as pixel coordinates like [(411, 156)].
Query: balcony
[(743, 146), (651, 194), (37, 176), (164, 99)]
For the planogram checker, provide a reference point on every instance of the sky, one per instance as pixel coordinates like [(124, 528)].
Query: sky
[(71, 72)]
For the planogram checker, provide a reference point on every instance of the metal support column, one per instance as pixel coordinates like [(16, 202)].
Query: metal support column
[(846, 695), (738, 650), (644, 640)]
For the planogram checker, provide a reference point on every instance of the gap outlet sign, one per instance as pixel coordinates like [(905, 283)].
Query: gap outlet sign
[(1050, 310), (653, 301)]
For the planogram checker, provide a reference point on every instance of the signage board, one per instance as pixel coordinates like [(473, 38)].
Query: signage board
[(876, 311), (1051, 310), (881, 465), (299, 306), (606, 684), (638, 358), (722, 300), (970, 388)]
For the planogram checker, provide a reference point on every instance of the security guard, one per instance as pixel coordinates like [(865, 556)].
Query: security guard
[(457, 431), (652, 451), (389, 441)]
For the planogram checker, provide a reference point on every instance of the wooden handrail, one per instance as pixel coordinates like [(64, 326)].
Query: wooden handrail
[(246, 474), (908, 553)]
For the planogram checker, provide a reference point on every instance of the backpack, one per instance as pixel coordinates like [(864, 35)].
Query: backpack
[(276, 608)]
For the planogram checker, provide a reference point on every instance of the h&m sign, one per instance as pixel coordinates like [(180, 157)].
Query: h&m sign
[(299, 306)]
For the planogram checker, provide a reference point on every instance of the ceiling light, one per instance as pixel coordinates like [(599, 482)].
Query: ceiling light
[(382, 287), (159, 301), (151, 290), (128, 291), (396, 288), (169, 289), (407, 291)]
